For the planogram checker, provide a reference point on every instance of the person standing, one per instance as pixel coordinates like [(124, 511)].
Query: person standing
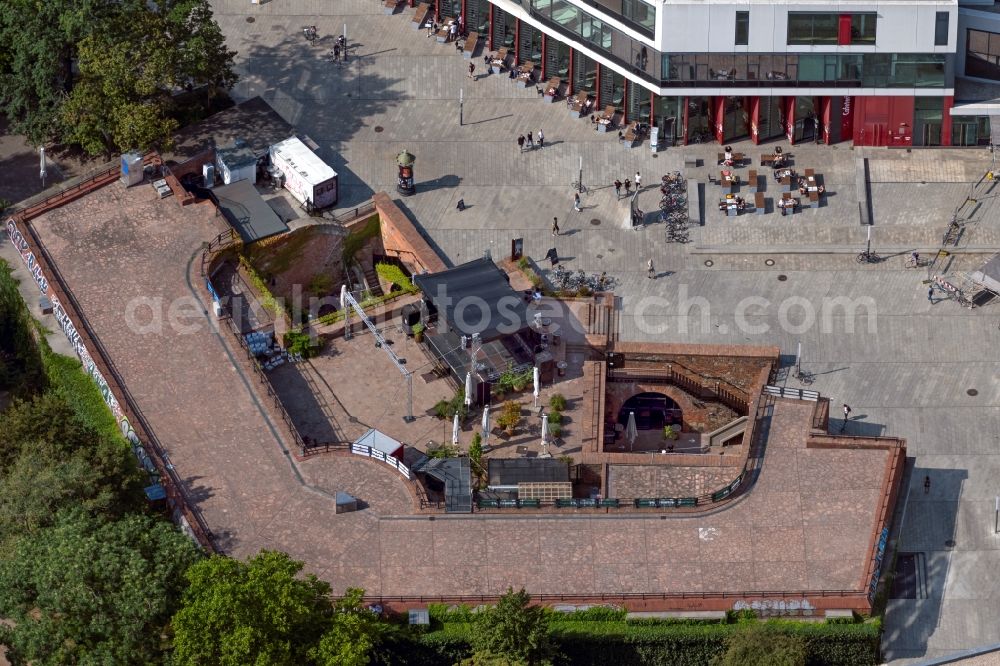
[(638, 181), (628, 187), (520, 142), (555, 226), (453, 30), (336, 52), (576, 201), (927, 484), (541, 139), (650, 271), (930, 294), (472, 68), (618, 188), (530, 139), (847, 416)]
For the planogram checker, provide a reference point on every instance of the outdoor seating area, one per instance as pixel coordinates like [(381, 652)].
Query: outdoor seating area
[(470, 45), (580, 105), (552, 89), (794, 189), (499, 60), (526, 74)]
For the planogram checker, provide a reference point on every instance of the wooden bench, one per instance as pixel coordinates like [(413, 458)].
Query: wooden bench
[(759, 204), (443, 33), (628, 139), (578, 104), (753, 181), (389, 6), (552, 89), (471, 43), (814, 199), (499, 60), (787, 197), (421, 15), (766, 160), (810, 173)]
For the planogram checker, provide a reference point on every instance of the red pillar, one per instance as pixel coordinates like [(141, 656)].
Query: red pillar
[(517, 41), (718, 107), (489, 41), (625, 101), (569, 73), (949, 102), (597, 88), (544, 69), (789, 103), (755, 120), (652, 110), (437, 10)]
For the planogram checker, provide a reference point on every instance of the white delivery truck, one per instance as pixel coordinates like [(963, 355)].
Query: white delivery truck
[(307, 177)]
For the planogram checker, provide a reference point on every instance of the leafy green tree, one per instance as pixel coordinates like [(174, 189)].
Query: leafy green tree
[(256, 612), (513, 632), (46, 425), (20, 359), (94, 592), (762, 645), (353, 635)]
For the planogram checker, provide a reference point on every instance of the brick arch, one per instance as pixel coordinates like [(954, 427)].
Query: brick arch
[(616, 393)]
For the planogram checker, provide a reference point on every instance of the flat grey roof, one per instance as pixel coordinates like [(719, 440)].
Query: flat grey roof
[(247, 212)]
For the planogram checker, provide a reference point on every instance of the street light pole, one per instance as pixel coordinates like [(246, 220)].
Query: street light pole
[(41, 168), (461, 107)]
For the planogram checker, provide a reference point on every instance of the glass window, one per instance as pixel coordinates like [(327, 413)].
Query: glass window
[(812, 68), (640, 13), (982, 54), (863, 28), (824, 27), (566, 15), (876, 70), (941, 29), (742, 28), (919, 70)]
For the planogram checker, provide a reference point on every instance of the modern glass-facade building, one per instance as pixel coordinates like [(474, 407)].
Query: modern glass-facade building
[(878, 74)]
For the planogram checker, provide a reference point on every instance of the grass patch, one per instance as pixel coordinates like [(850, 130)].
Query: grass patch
[(68, 380), (357, 238)]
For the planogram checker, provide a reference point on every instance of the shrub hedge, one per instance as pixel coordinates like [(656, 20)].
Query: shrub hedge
[(601, 636)]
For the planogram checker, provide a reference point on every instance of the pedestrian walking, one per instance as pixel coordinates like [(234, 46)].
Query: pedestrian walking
[(541, 139), (650, 271), (628, 186), (638, 181), (531, 140), (555, 226), (487, 61), (336, 52), (520, 142), (453, 31), (618, 188), (472, 68), (930, 293), (576, 201), (927, 484), (847, 416), (431, 28)]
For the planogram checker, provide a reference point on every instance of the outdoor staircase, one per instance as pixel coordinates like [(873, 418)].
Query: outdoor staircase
[(603, 317), (371, 278)]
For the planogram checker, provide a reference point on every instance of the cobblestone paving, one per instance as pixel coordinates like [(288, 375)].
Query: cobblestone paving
[(667, 481)]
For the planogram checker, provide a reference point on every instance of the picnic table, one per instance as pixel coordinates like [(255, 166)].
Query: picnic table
[(552, 89), (526, 73), (728, 180), (737, 158), (499, 60)]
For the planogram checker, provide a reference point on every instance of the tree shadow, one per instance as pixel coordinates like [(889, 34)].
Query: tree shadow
[(332, 101)]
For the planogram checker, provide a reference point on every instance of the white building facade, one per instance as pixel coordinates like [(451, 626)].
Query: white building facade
[(875, 73)]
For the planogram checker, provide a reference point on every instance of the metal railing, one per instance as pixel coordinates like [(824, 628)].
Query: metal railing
[(682, 381), (362, 210)]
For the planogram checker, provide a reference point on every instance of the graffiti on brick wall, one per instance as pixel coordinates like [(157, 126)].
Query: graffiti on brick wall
[(69, 330), (27, 256), (879, 556), (775, 606)]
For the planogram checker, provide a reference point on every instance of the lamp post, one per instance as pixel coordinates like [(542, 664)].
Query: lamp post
[(41, 167), (461, 107)]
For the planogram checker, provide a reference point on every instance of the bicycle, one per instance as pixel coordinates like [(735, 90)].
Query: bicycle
[(868, 257)]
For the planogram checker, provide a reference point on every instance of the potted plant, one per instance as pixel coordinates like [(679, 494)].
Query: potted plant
[(418, 331), (510, 416), (671, 432)]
